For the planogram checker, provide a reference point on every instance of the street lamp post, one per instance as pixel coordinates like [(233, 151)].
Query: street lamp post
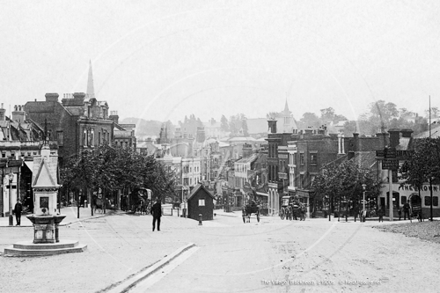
[(363, 201), (11, 219)]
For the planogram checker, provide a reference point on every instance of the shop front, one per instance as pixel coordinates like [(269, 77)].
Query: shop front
[(418, 199)]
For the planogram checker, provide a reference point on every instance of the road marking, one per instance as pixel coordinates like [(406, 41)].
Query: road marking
[(149, 281), (147, 277)]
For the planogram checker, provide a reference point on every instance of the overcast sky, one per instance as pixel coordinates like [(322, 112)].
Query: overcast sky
[(167, 59)]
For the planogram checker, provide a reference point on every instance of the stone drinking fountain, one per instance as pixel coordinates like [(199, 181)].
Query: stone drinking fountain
[(45, 219)]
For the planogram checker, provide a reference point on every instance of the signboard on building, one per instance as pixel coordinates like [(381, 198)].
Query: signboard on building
[(390, 153), (390, 165)]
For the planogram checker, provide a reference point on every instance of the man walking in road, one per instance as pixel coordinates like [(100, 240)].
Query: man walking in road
[(17, 211), (156, 211), (406, 208)]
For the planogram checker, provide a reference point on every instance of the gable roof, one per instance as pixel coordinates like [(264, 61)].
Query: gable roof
[(43, 177), (197, 188)]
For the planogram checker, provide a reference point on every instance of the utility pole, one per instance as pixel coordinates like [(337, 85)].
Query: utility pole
[(390, 181), (430, 177)]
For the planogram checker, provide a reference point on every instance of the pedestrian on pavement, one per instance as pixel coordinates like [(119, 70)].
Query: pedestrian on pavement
[(156, 211), (380, 213), (363, 215), (400, 213), (406, 208), (17, 211), (355, 212)]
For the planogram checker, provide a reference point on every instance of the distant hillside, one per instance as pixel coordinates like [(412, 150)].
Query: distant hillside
[(144, 127)]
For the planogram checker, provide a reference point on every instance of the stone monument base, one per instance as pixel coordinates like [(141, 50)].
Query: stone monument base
[(28, 248)]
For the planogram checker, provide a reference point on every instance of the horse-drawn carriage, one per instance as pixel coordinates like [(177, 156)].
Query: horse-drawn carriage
[(251, 208), (140, 201), (292, 209)]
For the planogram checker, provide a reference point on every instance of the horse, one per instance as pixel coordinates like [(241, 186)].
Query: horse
[(98, 205), (144, 207), (250, 209)]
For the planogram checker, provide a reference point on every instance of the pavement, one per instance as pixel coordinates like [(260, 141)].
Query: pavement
[(71, 214)]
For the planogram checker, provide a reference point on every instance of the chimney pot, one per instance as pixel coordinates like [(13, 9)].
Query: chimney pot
[(51, 97)]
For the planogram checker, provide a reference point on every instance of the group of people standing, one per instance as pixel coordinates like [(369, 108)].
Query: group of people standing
[(406, 208)]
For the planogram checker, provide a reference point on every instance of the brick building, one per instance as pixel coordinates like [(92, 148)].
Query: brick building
[(294, 159), (75, 123)]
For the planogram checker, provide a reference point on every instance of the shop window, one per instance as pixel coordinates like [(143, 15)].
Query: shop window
[(435, 201), (427, 201), (403, 198)]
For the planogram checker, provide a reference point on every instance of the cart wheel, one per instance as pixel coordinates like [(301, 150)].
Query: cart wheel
[(258, 216), (282, 216)]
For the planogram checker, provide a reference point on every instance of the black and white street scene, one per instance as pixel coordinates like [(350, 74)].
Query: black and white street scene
[(219, 146)]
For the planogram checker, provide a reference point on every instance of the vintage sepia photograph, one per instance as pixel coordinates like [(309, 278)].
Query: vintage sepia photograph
[(219, 146)]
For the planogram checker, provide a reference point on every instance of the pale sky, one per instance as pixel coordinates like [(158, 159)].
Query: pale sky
[(166, 59)]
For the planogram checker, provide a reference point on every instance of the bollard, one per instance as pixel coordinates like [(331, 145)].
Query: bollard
[(200, 219)]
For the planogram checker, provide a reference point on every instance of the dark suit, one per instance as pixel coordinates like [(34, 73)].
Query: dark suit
[(17, 210), (156, 211)]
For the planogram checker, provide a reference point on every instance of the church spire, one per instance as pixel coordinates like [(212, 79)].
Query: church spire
[(90, 87), (286, 107)]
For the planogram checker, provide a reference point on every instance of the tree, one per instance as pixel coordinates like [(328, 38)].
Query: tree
[(423, 165), (244, 126), (111, 169), (309, 120), (343, 182), (224, 124), (233, 125), (328, 116)]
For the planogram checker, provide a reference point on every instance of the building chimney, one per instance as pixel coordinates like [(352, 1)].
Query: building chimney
[(52, 97), (272, 125), (114, 116), (355, 145), (341, 146), (79, 98), (406, 132), (394, 137), (18, 114), (247, 150), (2, 113)]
